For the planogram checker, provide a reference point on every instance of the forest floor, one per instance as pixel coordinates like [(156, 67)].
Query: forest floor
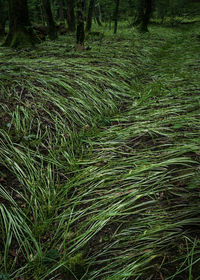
[(100, 158)]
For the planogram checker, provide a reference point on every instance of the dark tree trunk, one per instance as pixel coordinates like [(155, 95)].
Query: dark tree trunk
[(147, 14), (116, 12), (52, 32), (97, 11), (20, 30), (61, 10), (80, 34), (3, 17), (140, 12), (144, 14), (2, 26), (89, 16), (98, 20), (71, 16)]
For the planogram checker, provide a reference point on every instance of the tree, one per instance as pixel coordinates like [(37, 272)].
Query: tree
[(116, 12), (70, 16), (20, 33), (61, 10), (97, 11), (89, 15), (52, 32), (144, 8), (80, 34), (3, 16)]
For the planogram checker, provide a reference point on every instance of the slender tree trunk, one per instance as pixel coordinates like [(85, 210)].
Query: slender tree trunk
[(40, 6), (80, 33), (145, 15), (20, 30), (116, 12), (140, 4), (89, 16), (61, 10), (97, 11), (71, 16), (3, 17), (98, 20), (2, 26), (110, 23), (52, 32)]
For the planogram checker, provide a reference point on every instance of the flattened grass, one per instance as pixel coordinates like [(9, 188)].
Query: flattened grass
[(99, 156)]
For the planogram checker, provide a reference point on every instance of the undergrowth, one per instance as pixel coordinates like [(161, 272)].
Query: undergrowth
[(99, 158)]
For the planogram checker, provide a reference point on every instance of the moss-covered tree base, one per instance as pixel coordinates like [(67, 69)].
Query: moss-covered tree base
[(21, 39)]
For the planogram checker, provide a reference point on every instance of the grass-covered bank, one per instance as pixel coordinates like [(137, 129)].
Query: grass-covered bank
[(99, 155)]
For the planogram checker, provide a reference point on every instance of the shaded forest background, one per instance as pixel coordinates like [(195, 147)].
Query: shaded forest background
[(34, 20)]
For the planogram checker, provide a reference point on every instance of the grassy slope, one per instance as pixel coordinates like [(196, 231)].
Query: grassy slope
[(99, 157)]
